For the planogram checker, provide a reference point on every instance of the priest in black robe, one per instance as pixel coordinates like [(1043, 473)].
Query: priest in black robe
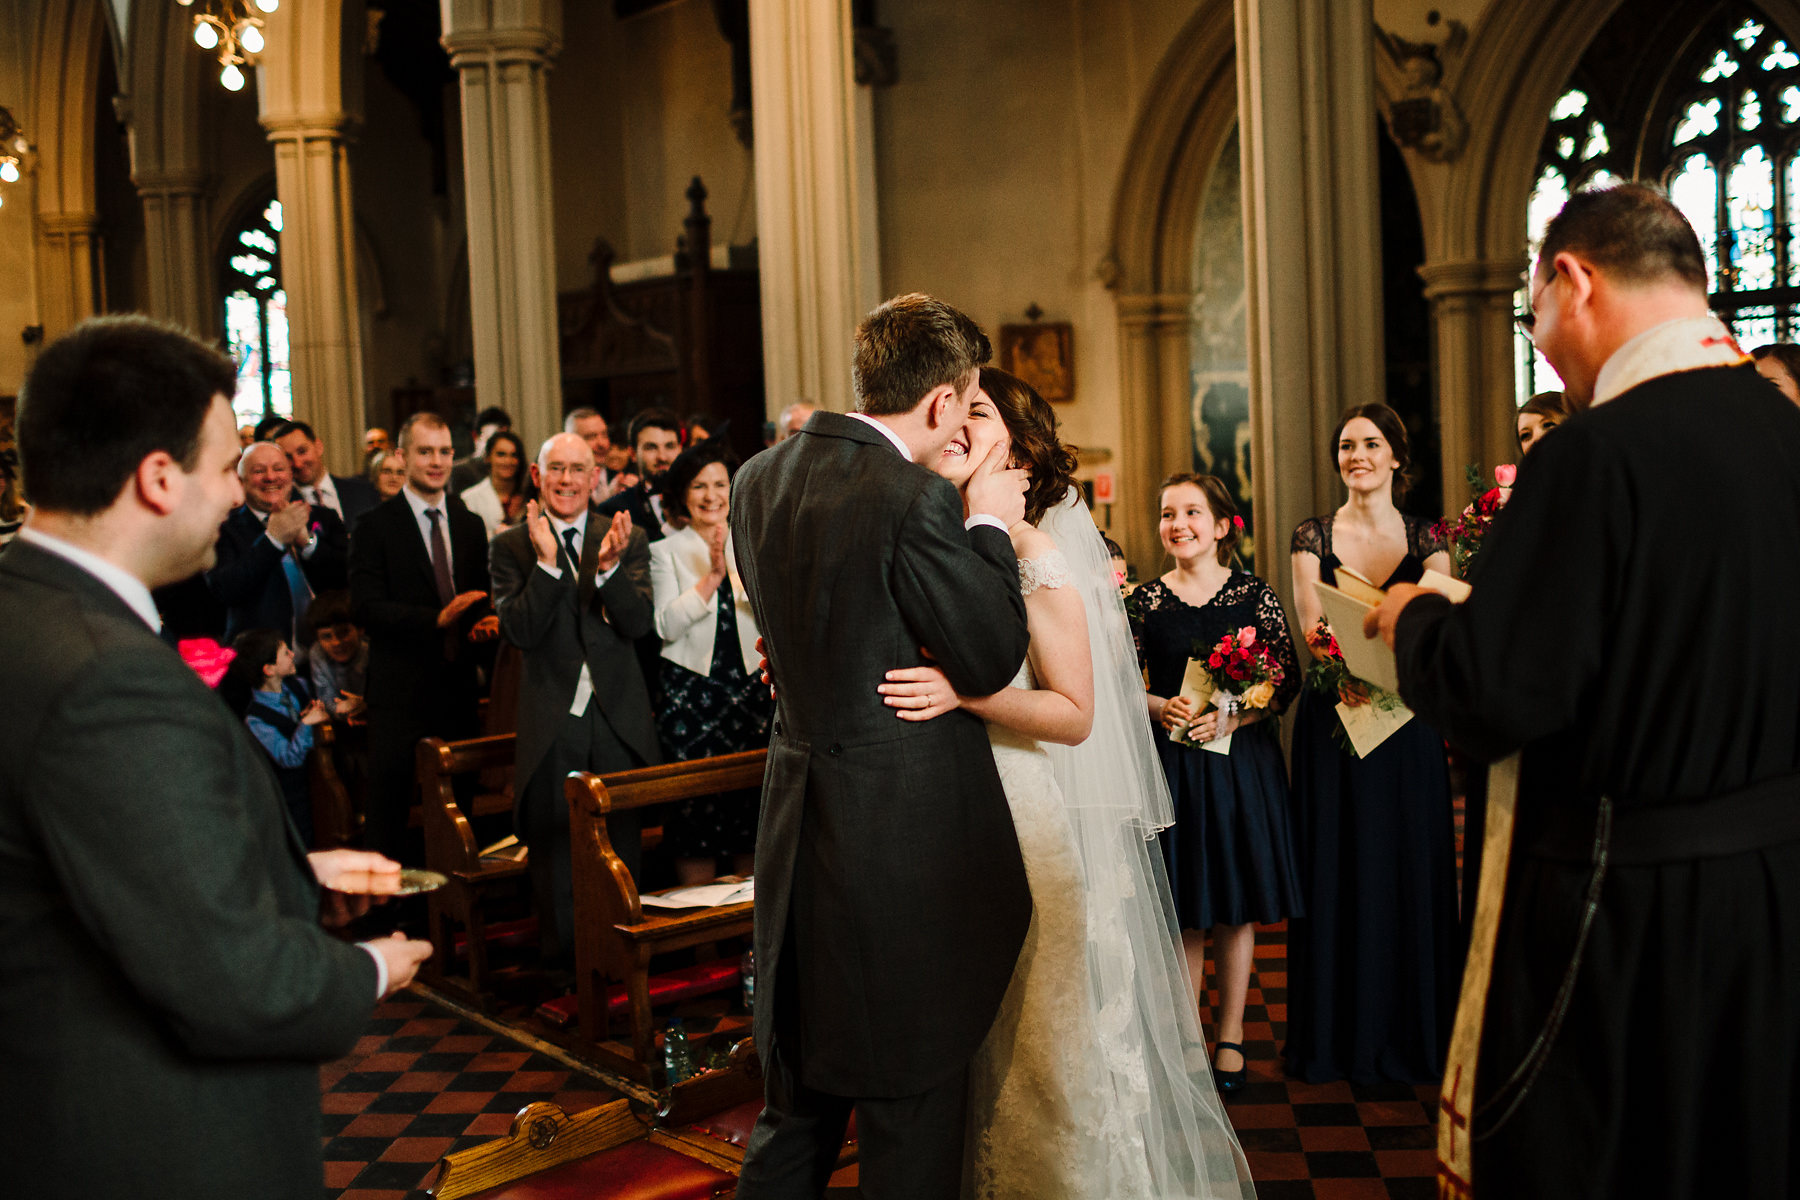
[(1629, 633)]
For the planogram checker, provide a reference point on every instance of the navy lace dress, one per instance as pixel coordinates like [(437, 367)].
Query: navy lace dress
[(1230, 852), (724, 711), (1373, 968)]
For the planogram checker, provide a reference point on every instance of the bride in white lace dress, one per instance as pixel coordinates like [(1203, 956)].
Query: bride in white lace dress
[(1094, 1081)]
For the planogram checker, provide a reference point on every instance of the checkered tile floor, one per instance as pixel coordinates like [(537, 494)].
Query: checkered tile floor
[(422, 1083), (1322, 1141)]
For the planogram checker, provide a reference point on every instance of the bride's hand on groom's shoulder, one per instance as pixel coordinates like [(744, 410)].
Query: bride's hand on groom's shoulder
[(919, 693)]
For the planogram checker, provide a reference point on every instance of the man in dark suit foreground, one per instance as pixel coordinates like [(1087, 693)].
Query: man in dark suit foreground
[(166, 993), (419, 583), (572, 591), (890, 895), (275, 552)]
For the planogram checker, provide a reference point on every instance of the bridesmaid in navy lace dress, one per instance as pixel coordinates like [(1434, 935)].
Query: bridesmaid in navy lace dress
[(1373, 969), (1230, 852)]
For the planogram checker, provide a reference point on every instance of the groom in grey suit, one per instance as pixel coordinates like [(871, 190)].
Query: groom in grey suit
[(891, 899)]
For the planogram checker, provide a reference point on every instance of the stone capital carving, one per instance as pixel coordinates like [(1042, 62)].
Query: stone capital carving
[(185, 181), (478, 47), (1471, 277), (310, 127)]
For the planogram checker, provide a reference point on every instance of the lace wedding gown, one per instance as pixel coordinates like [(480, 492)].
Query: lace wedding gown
[(1045, 1119), (1093, 1081)]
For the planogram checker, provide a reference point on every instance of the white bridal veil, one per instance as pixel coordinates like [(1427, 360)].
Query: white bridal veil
[(1149, 1032)]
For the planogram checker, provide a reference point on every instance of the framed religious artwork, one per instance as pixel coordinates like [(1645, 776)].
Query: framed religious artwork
[(1043, 355)]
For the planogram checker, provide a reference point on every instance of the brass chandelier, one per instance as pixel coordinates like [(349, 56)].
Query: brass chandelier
[(235, 31), (13, 148)]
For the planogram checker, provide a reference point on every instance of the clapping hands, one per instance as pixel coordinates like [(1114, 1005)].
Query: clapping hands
[(618, 535), (288, 524)]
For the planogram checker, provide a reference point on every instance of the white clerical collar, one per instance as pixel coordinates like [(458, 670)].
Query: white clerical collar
[(125, 585), (1684, 344), (889, 434)]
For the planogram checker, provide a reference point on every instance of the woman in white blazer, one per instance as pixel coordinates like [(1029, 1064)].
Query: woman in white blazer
[(499, 500), (714, 702)]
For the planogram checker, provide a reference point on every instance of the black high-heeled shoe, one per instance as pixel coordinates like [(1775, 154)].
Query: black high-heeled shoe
[(1230, 1081)]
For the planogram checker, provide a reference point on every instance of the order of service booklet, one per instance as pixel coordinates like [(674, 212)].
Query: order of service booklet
[(1197, 685), (1369, 659)]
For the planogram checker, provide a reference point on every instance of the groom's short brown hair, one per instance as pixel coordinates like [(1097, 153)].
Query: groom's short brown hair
[(909, 346)]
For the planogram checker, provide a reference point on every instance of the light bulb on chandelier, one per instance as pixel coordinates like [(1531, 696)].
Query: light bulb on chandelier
[(268, 6), (9, 170), (232, 78), (205, 36), (251, 39)]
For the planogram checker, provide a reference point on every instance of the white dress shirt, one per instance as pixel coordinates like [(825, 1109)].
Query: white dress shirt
[(419, 505), (974, 518), (323, 492), (125, 585)]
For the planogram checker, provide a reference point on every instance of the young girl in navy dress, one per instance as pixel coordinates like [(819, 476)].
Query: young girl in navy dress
[(1231, 851), (260, 687)]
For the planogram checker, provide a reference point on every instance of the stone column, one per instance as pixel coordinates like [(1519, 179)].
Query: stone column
[(815, 198), (501, 52), (1472, 320), (72, 286), (1306, 101), (177, 253), (309, 89), (318, 269)]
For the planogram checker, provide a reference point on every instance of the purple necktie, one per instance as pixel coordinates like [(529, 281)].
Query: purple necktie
[(440, 557)]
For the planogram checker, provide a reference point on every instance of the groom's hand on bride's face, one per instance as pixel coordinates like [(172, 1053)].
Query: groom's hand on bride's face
[(997, 488)]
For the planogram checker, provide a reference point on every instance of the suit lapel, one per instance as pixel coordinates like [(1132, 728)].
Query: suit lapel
[(590, 563), (406, 529)]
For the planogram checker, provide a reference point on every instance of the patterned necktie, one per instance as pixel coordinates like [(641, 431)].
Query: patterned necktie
[(440, 557), (574, 550)]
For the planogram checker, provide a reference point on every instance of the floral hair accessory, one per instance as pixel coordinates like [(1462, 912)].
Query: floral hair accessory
[(1237, 523), (207, 658)]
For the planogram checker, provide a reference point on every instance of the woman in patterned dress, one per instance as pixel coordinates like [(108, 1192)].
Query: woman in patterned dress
[(713, 701)]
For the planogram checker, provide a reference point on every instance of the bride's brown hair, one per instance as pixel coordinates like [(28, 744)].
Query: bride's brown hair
[(1031, 424)]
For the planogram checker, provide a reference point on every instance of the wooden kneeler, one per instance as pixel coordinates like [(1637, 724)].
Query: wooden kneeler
[(614, 938)]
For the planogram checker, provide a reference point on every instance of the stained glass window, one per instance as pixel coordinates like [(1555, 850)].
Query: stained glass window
[(1577, 153), (256, 328), (1733, 168)]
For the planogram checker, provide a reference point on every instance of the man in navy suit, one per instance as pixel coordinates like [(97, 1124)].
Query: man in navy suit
[(655, 444), (349, 496), (276, 552), (419, 584)]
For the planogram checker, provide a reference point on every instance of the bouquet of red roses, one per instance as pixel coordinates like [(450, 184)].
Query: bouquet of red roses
[(1243, 672), (1463, 535), (1332, 679)]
